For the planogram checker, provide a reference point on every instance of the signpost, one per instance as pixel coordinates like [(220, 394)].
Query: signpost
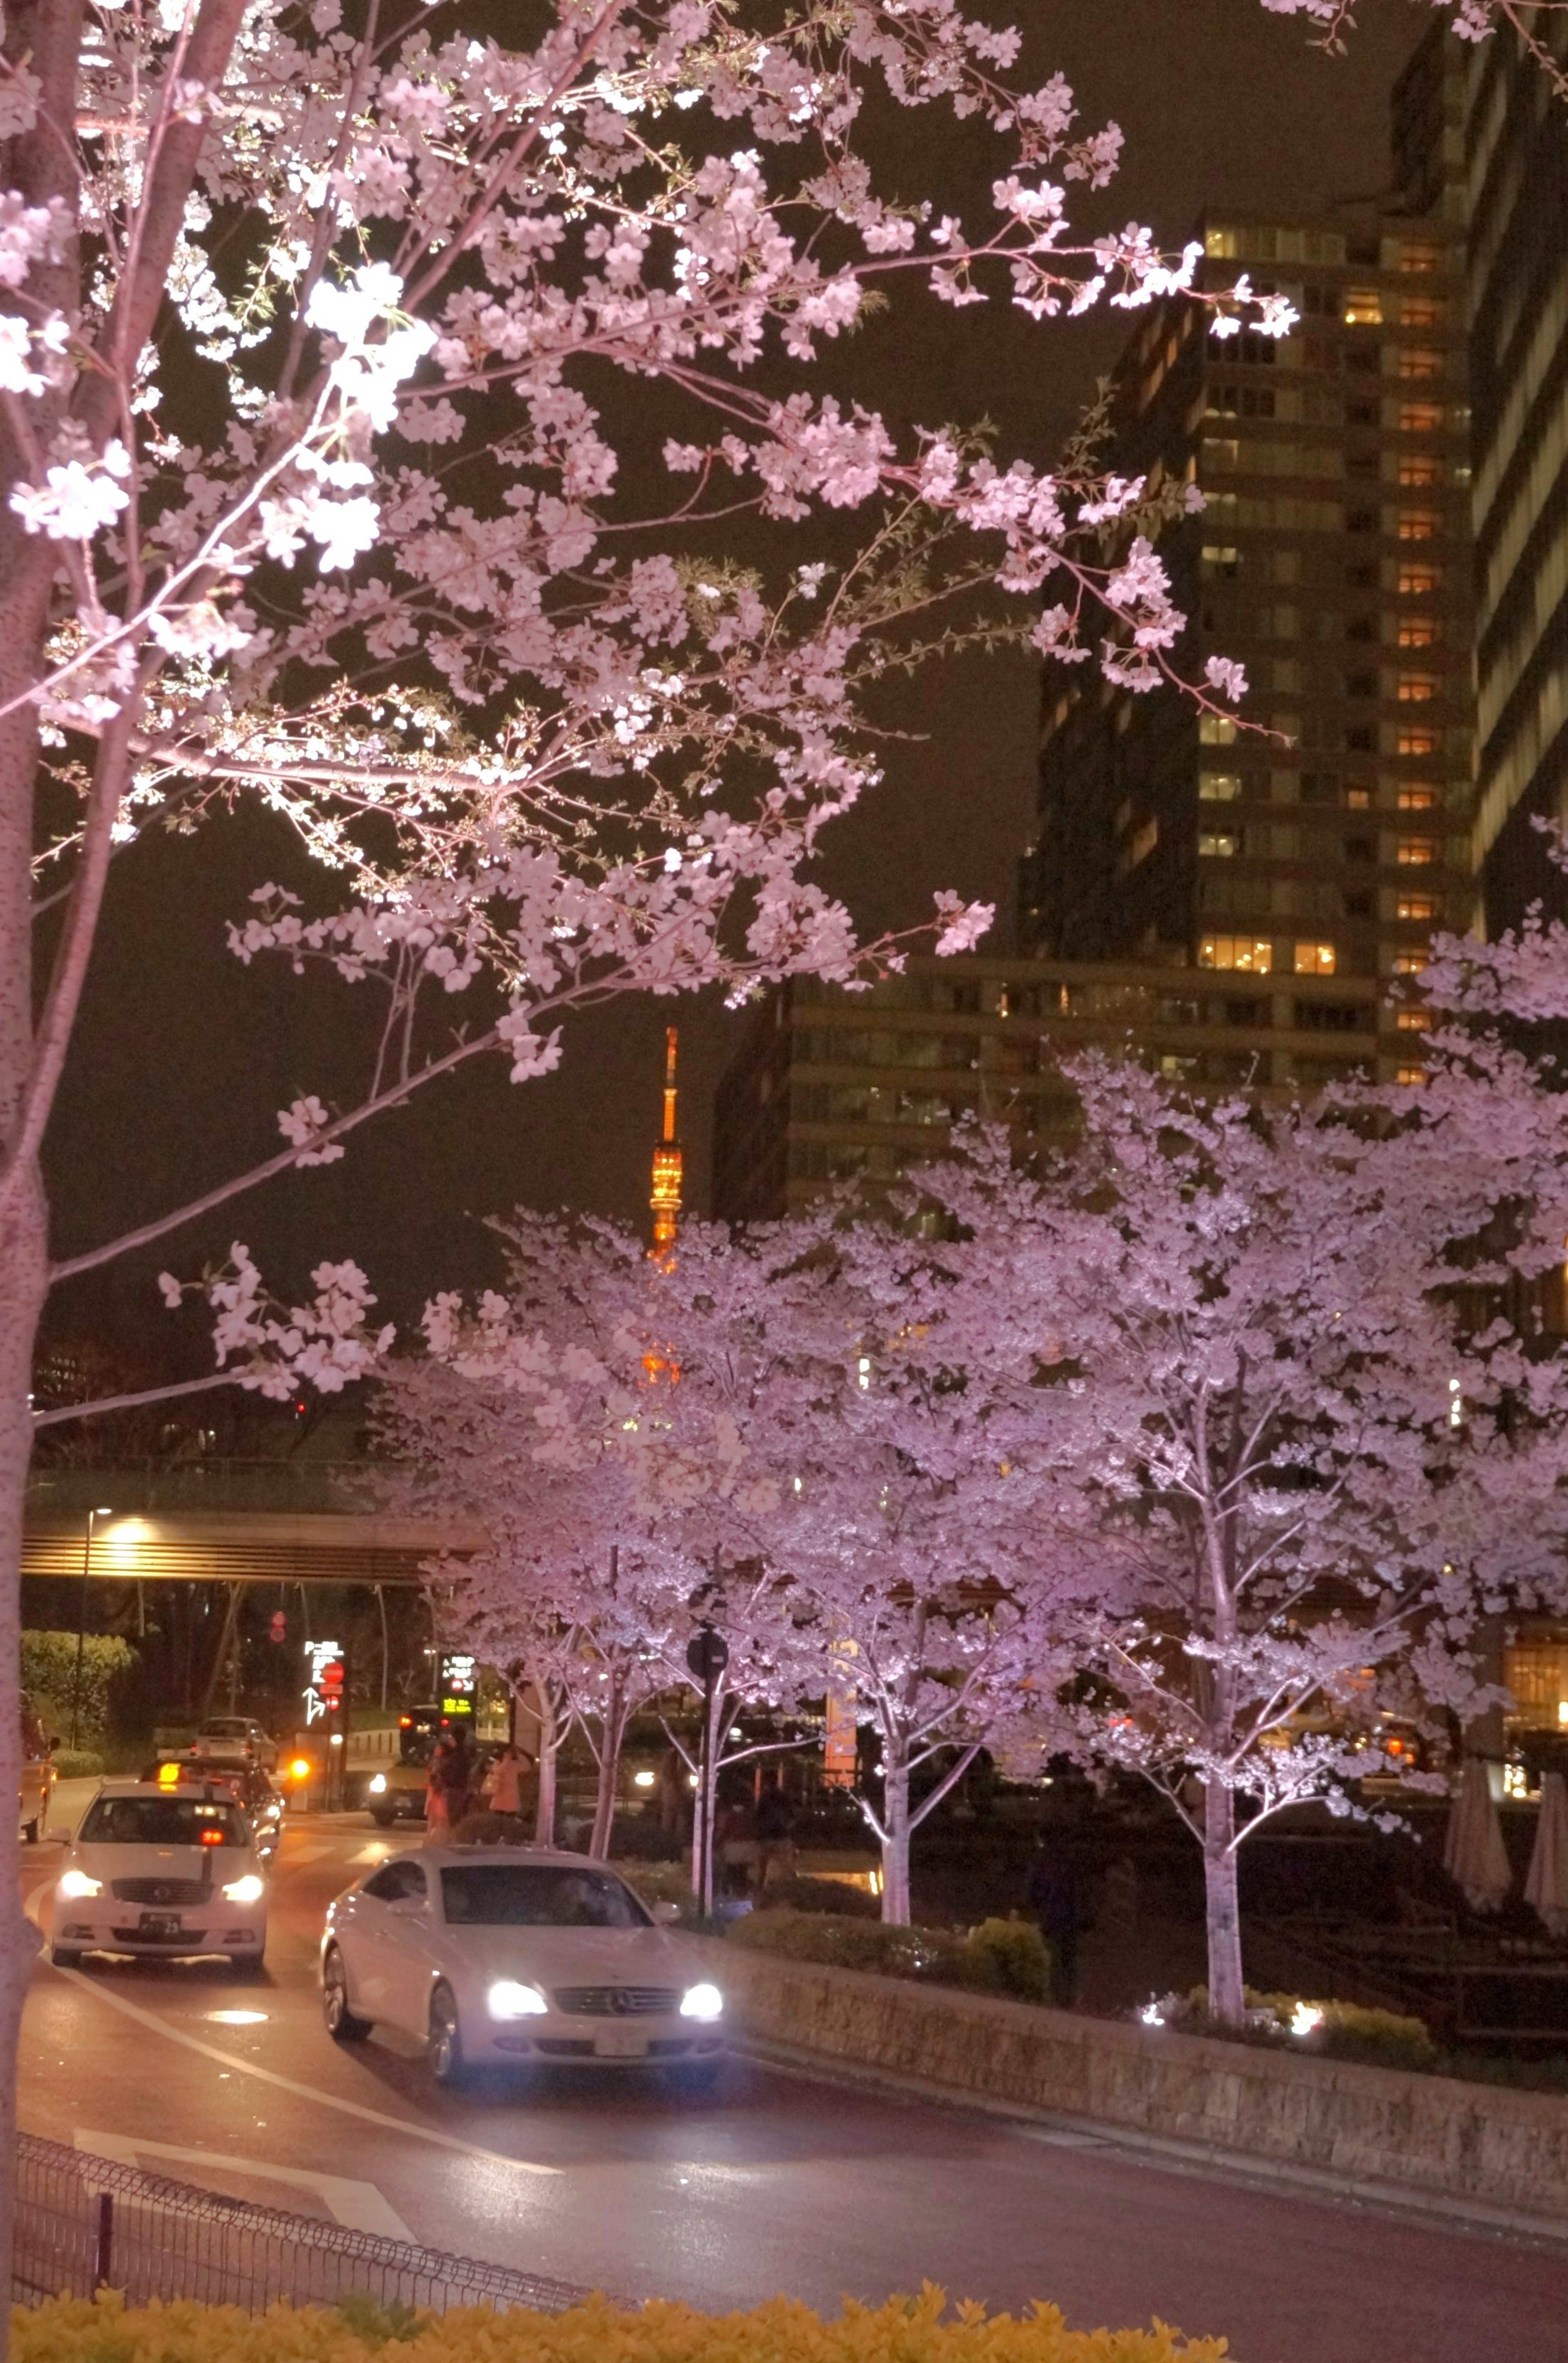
[(459, 1690), (326, 1715)]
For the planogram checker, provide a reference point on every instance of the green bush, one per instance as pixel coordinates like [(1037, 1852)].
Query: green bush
[(49, 1677), (829, 1896), (661, 1882), (492, 1829), (78, 1764), (1341, 2030), (933, 1956), (1019, 1955), (904, 2330)]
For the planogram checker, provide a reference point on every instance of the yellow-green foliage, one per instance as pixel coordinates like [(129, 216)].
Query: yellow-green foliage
[(1017, 1952), (905, 2330)]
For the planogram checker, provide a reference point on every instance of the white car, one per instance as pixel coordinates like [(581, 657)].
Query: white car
[(504, 1955), (236, 1735), (164, 1872)]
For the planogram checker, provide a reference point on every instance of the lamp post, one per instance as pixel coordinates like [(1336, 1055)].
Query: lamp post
[(82, 1621)]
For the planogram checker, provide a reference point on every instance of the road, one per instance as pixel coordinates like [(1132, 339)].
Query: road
[(778, 2182)]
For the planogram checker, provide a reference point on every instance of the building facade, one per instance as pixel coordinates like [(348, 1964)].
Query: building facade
[(831, 1086), (1333, 558), (1516, 148)]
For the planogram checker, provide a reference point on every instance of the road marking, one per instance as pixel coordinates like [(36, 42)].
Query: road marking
[(297, 1855), (235, 2064), (358, 2205)]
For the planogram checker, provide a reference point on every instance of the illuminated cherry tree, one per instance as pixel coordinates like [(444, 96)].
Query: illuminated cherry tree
[(1249, 1363)]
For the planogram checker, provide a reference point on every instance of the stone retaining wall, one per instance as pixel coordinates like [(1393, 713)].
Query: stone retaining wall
[(1501, 2149)]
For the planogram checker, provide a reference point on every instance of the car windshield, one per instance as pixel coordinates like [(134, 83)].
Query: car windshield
[(537, 1895), (162, 1822)]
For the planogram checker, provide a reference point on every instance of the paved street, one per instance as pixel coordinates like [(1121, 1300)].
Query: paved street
[(776, 2183)]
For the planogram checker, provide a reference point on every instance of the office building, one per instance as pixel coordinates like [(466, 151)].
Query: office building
[(830, 1086), (1517, 145), (1333, 558)]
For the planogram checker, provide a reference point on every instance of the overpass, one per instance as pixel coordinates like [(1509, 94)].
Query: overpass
[(294, 1520)]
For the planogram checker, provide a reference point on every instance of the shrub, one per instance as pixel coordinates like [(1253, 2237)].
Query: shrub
[(1338, 2030), (104, 2330), (1019, 1955), (829, 1896), (639, 1838), (78, 1764), (936, 1956), (49, 1677), (661, 1882), (486, 1828)]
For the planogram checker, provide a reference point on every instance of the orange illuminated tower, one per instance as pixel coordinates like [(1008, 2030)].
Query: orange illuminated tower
[(665, 1198)]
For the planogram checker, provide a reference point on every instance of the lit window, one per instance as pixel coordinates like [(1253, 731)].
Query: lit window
[(1410, 963), (1218, 843), (1411, 1075), (1420, 312), (1418, 471), (1222, 452), (1220, 244), (1411, 1021), (1217, 730), (1315, 959), (1253, 952), (1419, 418), (1364, 308), (1418, 742), (1418, 906), (1358, 799), (1418, 524), (1220, 560), (1417, 688), (1417, 582), (1417, 632), (1414, 257), (1415, 362), (1218, 787), (1414, 852), (1416, 799)]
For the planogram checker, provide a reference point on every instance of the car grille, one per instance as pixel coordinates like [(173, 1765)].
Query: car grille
[(160, 1890), (615, 2001)]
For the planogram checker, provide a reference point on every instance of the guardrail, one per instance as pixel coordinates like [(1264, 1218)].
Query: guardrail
[(85, 2224)]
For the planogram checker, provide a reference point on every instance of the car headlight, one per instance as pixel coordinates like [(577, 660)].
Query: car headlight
[(75, 1884), (377, 1785), (507, 1999), (701, 2001), (248, 1890)]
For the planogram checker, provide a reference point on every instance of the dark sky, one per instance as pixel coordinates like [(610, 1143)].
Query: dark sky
[(184, 1056)]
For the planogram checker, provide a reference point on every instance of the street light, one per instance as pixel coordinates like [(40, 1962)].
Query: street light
[(82, 1621)]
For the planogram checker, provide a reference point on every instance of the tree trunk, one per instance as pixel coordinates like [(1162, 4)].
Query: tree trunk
[(1226, 2001), (895, 1839), (549, 1750), (611, 1736)]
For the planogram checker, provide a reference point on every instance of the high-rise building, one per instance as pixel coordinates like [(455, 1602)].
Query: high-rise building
[(833, 1086), (1517, 145), (1333, 558)]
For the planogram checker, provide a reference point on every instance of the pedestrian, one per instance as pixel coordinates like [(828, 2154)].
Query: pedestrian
[(775, 1826), (512, 1772), (448, 1790), (1057, 1897), (734, 1843)]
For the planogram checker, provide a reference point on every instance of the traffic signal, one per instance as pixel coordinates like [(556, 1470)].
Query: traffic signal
[(278, 1630)]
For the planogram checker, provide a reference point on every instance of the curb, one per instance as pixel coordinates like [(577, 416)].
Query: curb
[(1202, 2159)]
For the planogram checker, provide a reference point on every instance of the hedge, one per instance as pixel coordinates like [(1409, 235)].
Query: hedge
[(998, 1957), (905, 2330), (48, 1676)]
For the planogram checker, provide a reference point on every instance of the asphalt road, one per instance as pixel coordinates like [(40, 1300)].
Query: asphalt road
[(776, 2183)]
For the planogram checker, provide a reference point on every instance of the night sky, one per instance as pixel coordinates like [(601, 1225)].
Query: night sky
[(184, 1057)]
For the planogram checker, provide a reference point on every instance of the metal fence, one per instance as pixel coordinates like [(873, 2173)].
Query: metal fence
[(83, 2223)]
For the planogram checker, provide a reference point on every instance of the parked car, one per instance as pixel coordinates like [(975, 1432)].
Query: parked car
[(506, 1955), (237, 1735), (168, 1872)]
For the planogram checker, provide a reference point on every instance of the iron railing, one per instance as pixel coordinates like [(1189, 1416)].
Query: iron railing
[(85, 2223)]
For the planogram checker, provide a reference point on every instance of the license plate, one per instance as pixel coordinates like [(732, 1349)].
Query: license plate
[(160, 1928), (621, 2043)]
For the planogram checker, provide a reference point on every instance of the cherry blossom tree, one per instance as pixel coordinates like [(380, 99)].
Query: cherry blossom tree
[(1252, 1367)]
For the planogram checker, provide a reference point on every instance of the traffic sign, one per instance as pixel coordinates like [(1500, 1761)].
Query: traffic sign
[(707, 1654)]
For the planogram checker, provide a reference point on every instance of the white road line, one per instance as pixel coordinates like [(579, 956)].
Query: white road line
[(291, 1857), (237, 2066), (358, 2205)]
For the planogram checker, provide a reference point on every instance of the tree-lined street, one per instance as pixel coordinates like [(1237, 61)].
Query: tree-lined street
[(777, 2183)]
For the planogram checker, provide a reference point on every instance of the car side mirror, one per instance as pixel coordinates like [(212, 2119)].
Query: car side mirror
[(667, 1914)]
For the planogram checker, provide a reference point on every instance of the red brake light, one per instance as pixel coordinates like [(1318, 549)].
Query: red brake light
[(212, 1837)]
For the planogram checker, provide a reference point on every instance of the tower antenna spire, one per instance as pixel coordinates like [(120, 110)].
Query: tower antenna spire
[(667, 1160)]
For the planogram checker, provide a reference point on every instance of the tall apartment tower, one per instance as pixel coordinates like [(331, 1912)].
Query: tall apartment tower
[(1333, 559), (1517, 144)]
